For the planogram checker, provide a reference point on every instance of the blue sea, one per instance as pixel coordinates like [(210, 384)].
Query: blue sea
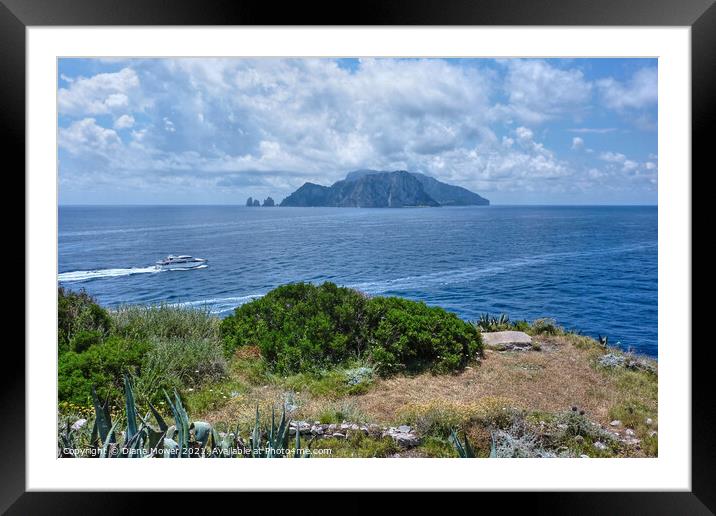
[(593, 269)]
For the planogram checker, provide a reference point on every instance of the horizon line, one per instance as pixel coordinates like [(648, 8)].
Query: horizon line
[(243, 205)]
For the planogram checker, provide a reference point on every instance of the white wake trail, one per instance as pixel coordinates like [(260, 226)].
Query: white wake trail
[(104, 273)]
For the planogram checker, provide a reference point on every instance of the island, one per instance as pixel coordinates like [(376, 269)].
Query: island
[(383, 189)]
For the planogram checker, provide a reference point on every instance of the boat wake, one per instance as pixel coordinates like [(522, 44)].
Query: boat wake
[(73, 276), (220, 305)]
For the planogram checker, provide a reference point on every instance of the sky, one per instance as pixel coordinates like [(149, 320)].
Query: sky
[(216, 131)]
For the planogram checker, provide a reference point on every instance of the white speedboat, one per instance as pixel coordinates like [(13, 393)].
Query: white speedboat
[(182, 262)]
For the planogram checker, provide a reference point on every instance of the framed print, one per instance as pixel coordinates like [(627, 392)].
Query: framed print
[(389, 242)]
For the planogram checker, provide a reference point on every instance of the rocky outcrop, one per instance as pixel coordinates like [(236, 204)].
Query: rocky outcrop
[(376, 189), (403, 435), (268, 202), (450, 195), (504, 340), (381, 190), (249, 202)]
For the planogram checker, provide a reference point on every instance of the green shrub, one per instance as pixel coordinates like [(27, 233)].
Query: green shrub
[(177, 364), (303, 327), (83, 339), (299, 327), (405, 335), (165, 322), (546, 326), (77, 312), (101, 365)]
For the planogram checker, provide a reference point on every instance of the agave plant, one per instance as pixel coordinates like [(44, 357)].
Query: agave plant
[(182, 439), (604, 341), (489, 322), (465, 450)]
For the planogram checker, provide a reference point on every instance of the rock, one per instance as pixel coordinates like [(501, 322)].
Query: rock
[(364, 429), (332, 427), (355, 427), (381, 189), (406, 439), (652, 433), (303, 426), (345, 426), (616, 422), (269, 202), (611, 360), (338, 435), (507, 339), (584, 456), (649, 421), (629, 432), (249, 202), (579, 438), (404, 429), (600, 445), (317, 430), (78, 424)]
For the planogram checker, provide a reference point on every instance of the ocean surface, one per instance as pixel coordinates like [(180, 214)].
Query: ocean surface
[(593, 269)]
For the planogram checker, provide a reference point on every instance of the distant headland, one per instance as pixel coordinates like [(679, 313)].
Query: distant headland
[(383, 189)]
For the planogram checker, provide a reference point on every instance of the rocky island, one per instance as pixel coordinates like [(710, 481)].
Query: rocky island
[(382, 189)]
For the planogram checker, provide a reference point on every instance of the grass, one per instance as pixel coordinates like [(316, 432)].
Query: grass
[(165, 321), (357, 445)]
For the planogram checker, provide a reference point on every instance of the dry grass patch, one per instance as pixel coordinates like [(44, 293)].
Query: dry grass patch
[(560, 376), (551, 380)]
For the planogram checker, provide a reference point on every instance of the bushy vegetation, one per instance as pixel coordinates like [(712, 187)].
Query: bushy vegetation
[(161, 347), (103, 365), (502, 322), (81, 322), (303, 327), (166, 322)]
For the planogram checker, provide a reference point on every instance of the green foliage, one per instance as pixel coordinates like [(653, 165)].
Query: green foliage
[(358, 445), (463, 448), (546, 326), (303, 327), (437, 447), (79, 319), (405, 335), (487, 322), (300, 327), (179, 363), (83, 339), (165, 322), (339, 412), (102, 365)]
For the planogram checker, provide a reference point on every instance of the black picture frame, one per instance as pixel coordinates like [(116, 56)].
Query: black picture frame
[(700, 15)]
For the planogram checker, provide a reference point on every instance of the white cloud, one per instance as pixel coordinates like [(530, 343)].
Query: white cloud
[(523, 133), (594, 130), (86, 136), (124, 122), (100, 94), (538, 91), (612, 157), (577, 143), (169, 125), (638, 92)]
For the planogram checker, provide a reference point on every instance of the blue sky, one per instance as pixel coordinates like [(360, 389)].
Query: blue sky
[(216, 131)]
